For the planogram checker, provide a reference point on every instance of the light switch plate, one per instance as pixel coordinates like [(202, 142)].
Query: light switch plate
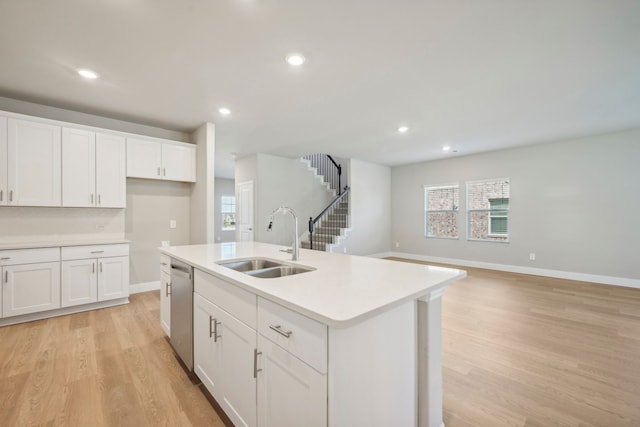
[(172, 223)]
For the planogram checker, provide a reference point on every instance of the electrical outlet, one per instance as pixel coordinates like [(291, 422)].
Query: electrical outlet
[(165, 243), (345, 250), (532, 256), (172, 223), (397, 244), (99, 227)]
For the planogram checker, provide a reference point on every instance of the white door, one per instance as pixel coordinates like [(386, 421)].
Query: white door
[(3, 161), (34, 163), (113, 278), (111, 171), (165, 302), (144, 159), (30, 288), (289, 390), (79, 168), (238, 343), (79, 283), (244, 200), (206, 345), (179, 162)]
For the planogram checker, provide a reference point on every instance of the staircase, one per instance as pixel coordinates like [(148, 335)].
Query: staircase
[(331, 225)]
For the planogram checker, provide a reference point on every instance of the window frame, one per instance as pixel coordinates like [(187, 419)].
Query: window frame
[(456, 210), (504, 212), (224, 212)]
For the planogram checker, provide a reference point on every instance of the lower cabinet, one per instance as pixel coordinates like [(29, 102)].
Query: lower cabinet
[(30, 280), (290, 392), (165, 294), (224, 360), (30, 288), (271, 379), (94, 273)]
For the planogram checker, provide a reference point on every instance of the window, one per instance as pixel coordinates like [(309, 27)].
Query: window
[(441, 211), (228, 208), (488, 210)]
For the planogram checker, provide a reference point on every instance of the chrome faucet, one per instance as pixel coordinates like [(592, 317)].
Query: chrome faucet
[(296, 239)]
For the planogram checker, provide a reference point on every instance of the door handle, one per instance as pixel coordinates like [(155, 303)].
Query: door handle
[(250, 229), (214, 333), (167, 288), (1, 193)]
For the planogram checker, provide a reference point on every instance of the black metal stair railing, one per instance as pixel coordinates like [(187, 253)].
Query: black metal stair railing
[(328, 168), (332, 220)]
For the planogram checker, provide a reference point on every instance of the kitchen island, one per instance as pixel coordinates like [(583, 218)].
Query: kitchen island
[(354, 341)]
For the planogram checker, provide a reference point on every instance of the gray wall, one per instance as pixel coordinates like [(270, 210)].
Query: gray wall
[(369, 209), (150, 206), (223, 187), (281, 181), (574, 203)]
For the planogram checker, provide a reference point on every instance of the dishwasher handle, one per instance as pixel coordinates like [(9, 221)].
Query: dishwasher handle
[(181, 269)]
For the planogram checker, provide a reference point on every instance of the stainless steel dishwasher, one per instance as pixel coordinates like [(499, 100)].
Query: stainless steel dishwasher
[(182, 311)]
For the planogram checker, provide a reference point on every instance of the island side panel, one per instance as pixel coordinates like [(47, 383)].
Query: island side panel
[(430, 359), (373, 370)]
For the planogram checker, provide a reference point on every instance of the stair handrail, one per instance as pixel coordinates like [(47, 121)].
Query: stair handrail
[(322, 163), (339, 168), (314, 221)]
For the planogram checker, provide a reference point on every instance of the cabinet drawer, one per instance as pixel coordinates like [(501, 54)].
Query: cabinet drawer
[(234, 300), (165, 263), (94, 251), (307, 338), (29, 256)]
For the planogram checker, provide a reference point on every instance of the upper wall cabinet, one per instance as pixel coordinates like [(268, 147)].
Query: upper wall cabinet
[(33, 163), (93, 169), (161, 160), (3, 161)]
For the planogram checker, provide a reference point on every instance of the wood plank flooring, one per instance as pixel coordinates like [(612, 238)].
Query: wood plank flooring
[(518, 351), (529, 351), (109, 367)]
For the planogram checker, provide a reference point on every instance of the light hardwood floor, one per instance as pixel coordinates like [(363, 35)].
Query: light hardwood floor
[(109, 367), (518, 351), (529, 351)]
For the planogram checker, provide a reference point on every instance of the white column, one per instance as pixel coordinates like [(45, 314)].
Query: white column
[(430, 359)]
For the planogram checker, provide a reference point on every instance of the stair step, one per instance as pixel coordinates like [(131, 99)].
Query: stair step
[(333, 231), (317, 246)]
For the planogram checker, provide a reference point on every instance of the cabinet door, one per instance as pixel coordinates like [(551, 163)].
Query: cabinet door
[(30, 288), (78, 168), (238, 342), (179, 162), (206, 349), (113, 278), (144, 159), (79, 283), (111, 173), (3, 161), (165, 302), (34, 163), (290, 392)]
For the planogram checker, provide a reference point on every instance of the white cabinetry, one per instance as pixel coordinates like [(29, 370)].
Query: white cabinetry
[(94, 273), (292, 382), (3, 162), (30, 280), (161, 160), (165, 294), (93, 172), (225, 345), (33, 163)]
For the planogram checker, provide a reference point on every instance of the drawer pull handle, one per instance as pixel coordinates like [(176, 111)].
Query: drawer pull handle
[(279, 330), (167, 287), (97, 252), (256, 353), (164, 264), (1, 193), (7, 258), (213, 333)]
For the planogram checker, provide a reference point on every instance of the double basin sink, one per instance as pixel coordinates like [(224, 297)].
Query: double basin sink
[(265, 268)]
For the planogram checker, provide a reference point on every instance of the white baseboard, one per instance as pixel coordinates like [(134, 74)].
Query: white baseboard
[(144, 287), (568, 275), (62, 311)]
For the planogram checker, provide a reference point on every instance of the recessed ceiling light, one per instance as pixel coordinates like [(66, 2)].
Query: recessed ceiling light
[(446, 148), (224, 111), (295, 59), (403, 129), (88, 74)]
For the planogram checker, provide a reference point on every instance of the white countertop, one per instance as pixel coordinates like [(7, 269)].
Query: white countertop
[(343, 290), (59, 243)]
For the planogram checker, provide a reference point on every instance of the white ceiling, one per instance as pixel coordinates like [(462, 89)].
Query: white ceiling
[(477, 75)]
